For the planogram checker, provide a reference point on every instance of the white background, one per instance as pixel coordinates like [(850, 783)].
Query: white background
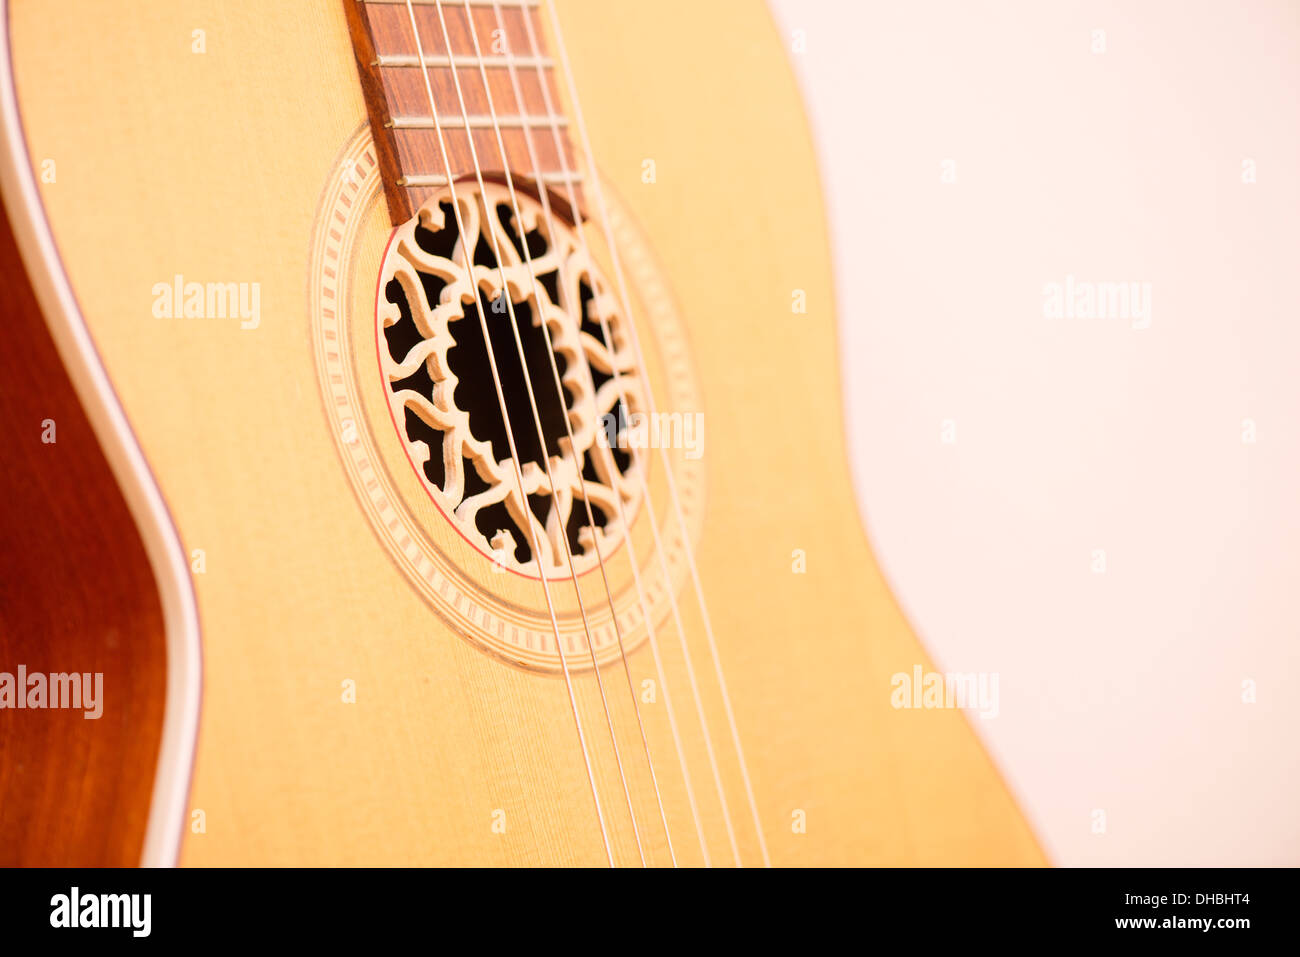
[(1120, 691)]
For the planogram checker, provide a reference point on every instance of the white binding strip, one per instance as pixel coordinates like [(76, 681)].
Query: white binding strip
[(167, 809)]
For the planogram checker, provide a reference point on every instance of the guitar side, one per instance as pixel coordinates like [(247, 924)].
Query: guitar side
[(90, 590)]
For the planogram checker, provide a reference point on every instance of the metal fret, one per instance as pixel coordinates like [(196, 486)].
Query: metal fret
[(462, 60), (414, 181), (476, 121), (504, 4)]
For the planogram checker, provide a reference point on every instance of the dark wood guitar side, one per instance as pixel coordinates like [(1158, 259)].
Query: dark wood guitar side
[(76, 595)]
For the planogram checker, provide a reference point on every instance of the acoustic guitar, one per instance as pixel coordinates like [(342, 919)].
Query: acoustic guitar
[(424, 446)]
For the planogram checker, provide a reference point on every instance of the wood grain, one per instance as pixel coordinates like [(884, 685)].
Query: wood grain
[(76, 596)]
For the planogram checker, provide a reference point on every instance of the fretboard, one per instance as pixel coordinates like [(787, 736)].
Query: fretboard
[(524, 103)]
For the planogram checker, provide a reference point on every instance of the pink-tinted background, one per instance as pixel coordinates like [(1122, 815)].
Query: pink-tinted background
[(1120, 691)]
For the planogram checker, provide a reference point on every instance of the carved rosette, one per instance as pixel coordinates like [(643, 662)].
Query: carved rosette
[(446, 401)]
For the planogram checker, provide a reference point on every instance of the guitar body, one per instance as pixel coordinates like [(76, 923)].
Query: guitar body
[(349, 714)]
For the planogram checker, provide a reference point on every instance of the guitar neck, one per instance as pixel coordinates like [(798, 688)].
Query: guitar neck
[(454, 88)]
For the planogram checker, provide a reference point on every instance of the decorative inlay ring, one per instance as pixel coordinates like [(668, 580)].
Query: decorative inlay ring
[(439, 547)]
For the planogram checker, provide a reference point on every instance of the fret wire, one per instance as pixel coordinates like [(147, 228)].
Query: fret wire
[(416, 180), (462, 60), (476, 121), (507, 4)]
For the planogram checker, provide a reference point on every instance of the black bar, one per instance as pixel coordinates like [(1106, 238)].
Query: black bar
[(566, 908)]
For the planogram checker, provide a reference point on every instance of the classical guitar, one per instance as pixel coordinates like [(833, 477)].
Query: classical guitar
[(424, 446)]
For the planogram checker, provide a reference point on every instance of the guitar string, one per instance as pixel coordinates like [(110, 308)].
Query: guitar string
[(559, 389), (532, 403), (672, 485), (496, 381), (652, 638), (634, 452)]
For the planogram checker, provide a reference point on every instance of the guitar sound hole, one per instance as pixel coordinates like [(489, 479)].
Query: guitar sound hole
[(451, 412)]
